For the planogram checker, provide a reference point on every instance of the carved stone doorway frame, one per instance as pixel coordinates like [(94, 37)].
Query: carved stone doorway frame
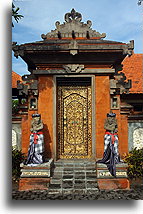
[(55, 112)]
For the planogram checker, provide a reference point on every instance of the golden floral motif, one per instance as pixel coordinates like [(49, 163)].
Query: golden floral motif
[(74, 122)]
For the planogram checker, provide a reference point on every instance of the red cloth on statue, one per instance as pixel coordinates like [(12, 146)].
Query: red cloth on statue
[(36, 136), (112, 135)]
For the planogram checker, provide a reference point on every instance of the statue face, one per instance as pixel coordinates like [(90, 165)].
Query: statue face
[(111, 119), (36, 119)]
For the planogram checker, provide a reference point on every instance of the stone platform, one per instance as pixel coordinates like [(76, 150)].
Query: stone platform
[(108, 182), (36, 177), (73, 177)]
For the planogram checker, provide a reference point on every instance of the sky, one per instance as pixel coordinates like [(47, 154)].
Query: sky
[(121, 20)]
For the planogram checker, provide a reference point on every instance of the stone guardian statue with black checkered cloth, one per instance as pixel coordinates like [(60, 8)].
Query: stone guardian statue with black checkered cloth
[(36, 147), (111, 155)]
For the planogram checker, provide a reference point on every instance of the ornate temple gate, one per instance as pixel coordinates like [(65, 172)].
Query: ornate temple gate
[(62, 68), (74, 111)]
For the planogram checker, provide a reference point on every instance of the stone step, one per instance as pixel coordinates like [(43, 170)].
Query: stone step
[(54, 191), (56, 181), (55, 186), (65, 171), (91, 186), (75, 164), (71, 177), (58, 174), (68, 176)]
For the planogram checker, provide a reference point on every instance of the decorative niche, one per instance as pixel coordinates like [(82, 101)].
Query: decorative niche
[(114, 102), (32, 103)]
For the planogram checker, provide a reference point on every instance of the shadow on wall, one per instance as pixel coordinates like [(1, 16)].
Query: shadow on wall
[(44, 83), (47, 141)]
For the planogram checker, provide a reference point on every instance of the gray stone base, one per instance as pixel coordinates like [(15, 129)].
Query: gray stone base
[(41, 170), (103, 172), (108, 182), (36, 177)]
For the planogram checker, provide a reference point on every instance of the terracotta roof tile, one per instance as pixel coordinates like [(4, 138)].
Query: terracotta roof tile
[(15, 77), (133, 69)]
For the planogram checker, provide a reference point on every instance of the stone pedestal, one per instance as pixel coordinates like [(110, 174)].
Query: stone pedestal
[(36, 177), (107, 182)]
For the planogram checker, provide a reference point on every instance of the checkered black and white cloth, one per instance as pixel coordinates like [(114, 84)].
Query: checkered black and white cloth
[(111, 155), (108, 141), (39, 146), (36, 149)]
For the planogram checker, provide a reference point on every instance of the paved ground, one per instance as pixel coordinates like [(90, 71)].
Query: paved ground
[(133, 194)]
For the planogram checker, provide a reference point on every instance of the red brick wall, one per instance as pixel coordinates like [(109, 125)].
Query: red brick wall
[(24, 135), (124, 135), (102, 107), (45, 108), (25, 127)]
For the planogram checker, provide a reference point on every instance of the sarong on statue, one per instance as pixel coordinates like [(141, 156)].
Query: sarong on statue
[(111, 155), (36, 148)]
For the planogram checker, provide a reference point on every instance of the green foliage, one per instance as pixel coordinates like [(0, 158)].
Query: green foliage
[(15, 14), (135, 163), (15, 106), (17, 158)]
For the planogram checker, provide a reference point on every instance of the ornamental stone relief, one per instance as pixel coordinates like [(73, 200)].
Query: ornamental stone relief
[(138, 138), (14, 138), (73, 68)]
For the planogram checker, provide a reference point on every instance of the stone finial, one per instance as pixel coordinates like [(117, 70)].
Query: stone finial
[(119, 85), (73, 28), (128, 50), (73, 15)]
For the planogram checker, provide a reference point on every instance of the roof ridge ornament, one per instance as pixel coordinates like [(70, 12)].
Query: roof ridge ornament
[(73, 15), (73, 28)]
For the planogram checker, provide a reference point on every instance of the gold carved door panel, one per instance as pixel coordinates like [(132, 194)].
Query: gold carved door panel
[(74, 122)]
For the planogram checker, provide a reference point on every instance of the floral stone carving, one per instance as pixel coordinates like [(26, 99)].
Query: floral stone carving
[(138, 138)]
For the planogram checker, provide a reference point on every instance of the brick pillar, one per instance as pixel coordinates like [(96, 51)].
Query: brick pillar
[(124, 135), (102, 105), (45, 108)]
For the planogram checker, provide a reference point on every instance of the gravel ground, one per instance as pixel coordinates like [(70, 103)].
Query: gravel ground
[(132, 194)]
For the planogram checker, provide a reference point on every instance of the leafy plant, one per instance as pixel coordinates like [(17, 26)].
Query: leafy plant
[(15, 14), (15, 106), (17, 158), (135, 163)]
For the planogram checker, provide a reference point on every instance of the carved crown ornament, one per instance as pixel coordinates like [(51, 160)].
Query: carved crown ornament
[(73, 68), (72, 28)]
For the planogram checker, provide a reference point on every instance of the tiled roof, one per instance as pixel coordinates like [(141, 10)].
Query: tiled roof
[(133, 69), (15, 77)]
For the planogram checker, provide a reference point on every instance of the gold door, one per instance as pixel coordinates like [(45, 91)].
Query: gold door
[(74, 122)]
